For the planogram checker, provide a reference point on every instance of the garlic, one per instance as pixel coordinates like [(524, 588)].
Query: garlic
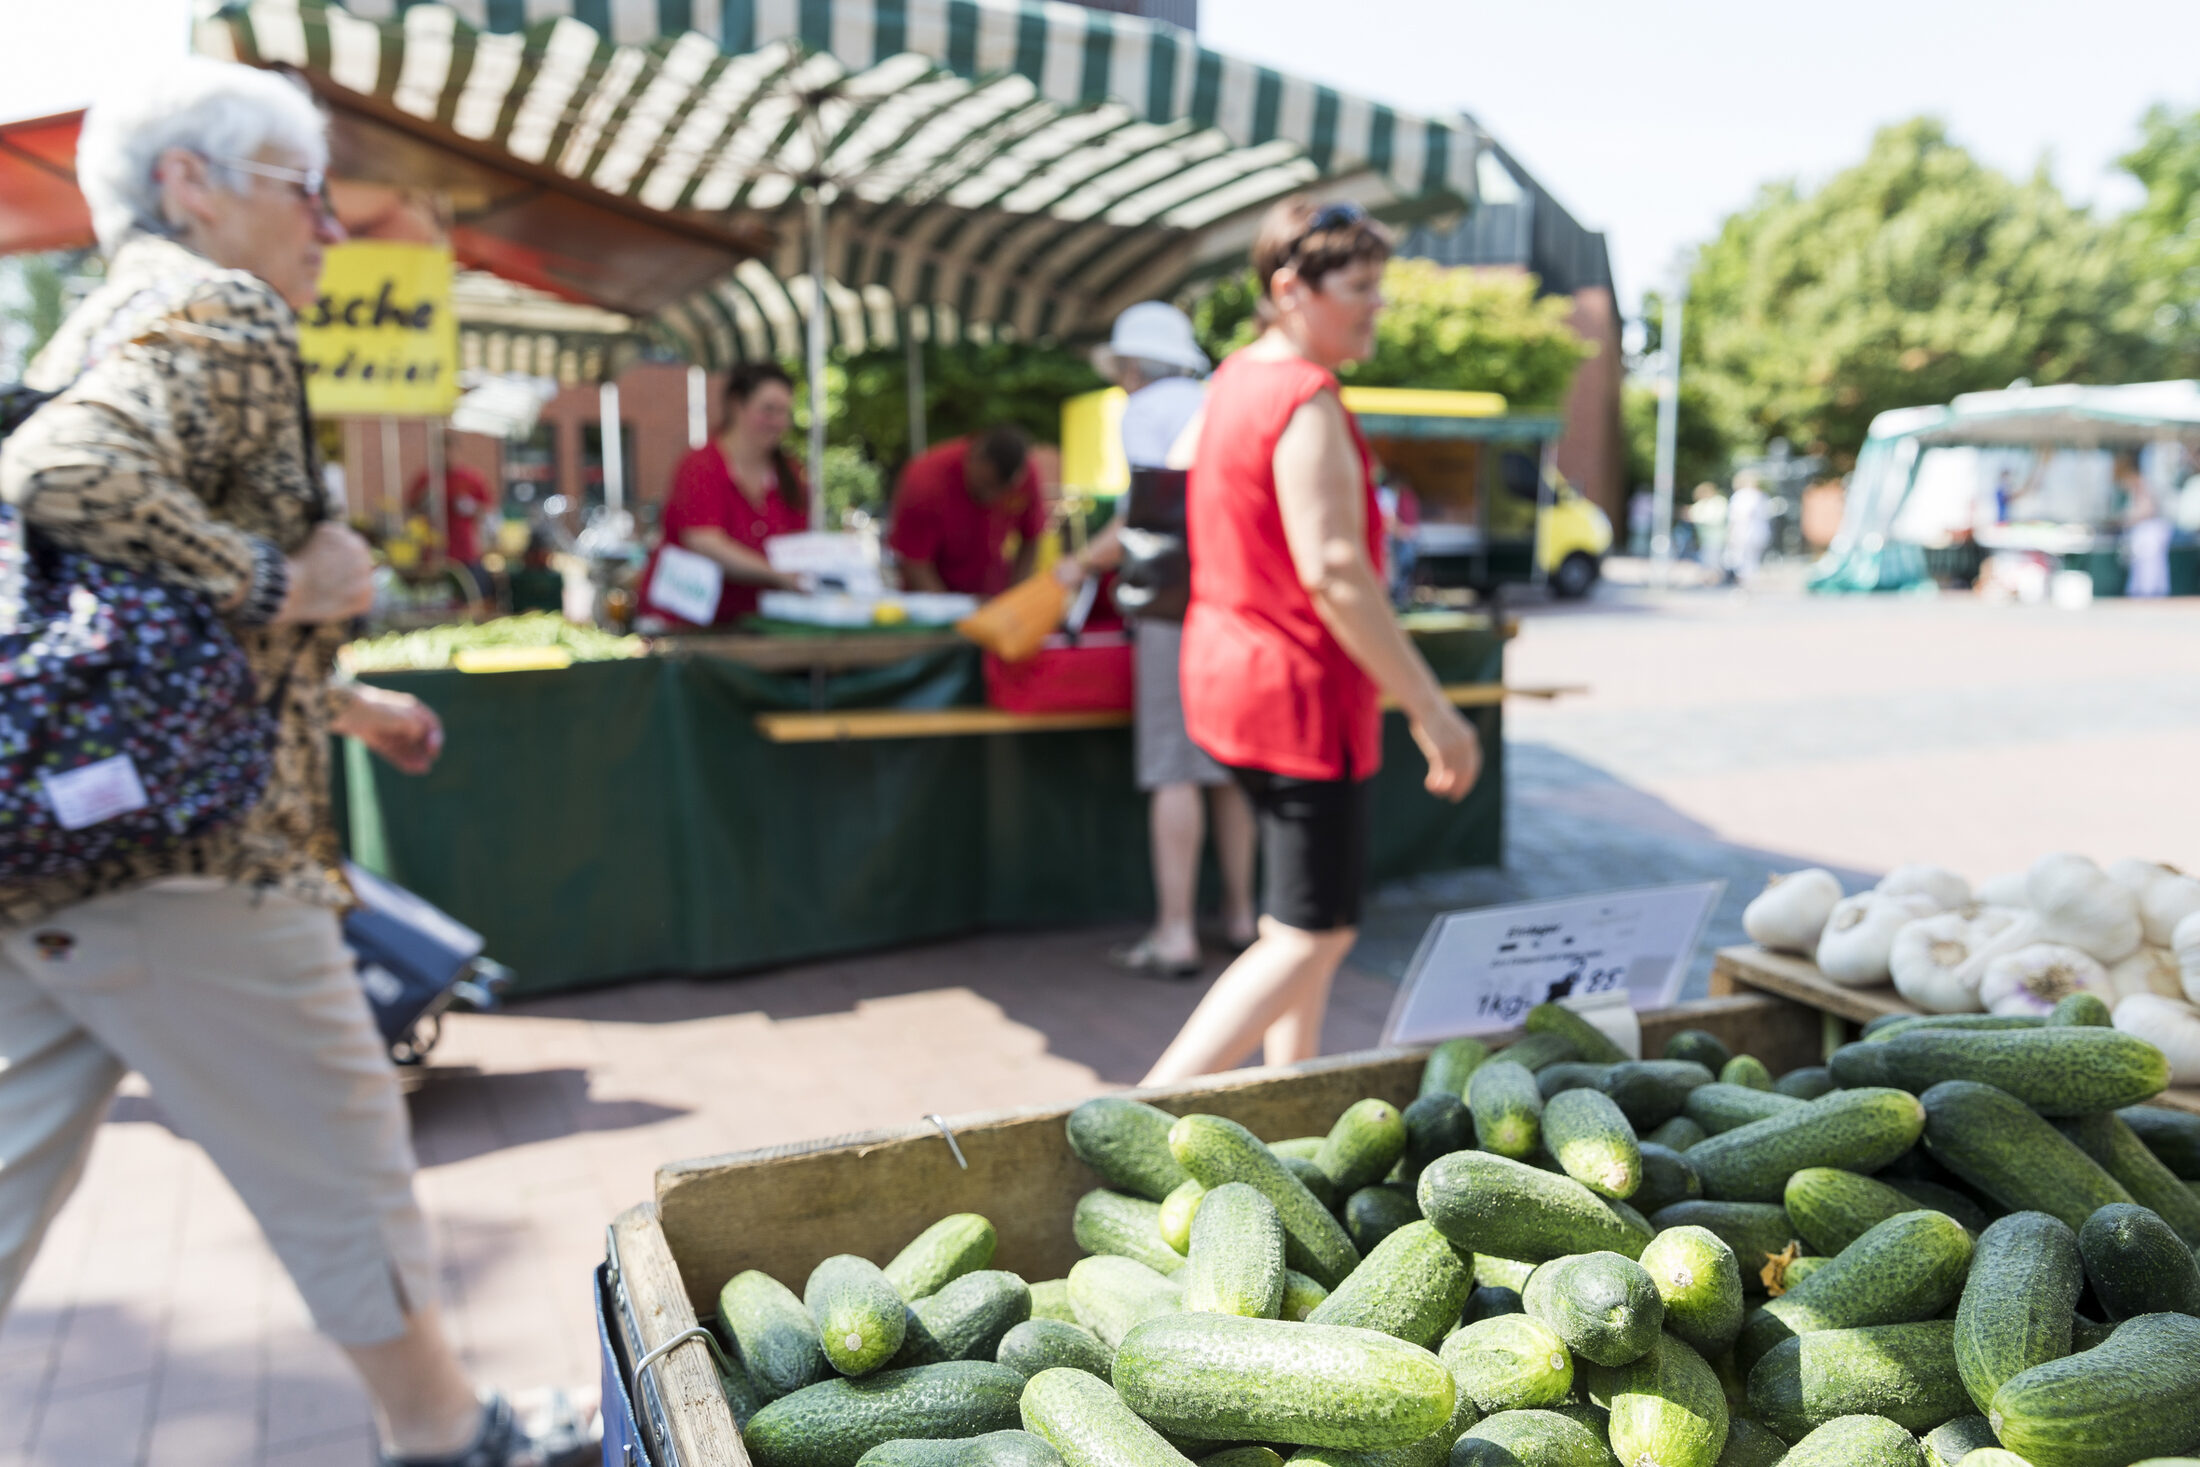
[(1859, 936), (2082, 906), (2032, 980), (2166, 903), (2005, 890), (2139, 875), (1947, 890), (1790, 913), (2185, 945), (2169, 1025), (2149, 970), (1938, 962)]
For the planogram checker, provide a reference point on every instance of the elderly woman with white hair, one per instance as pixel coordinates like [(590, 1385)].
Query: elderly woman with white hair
[(179, 445)]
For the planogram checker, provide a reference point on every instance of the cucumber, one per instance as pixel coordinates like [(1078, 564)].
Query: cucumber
[(2172, 1135), (1679, 1133), (1489, 1301), (1700, 1280), (1854, 1066), (742, 1398), (1507, 1108), (1995, 1457), (1436, 1125), (2137, 1395), (833, 1423), (1491, 1205), (2112, 1143), (1432, 1450), (1569, 1075), (1904, 1372), (994, 1449), (1666, 1407), (1128, 1227), (1509, 1362), (1110, 1295), (1650, 1092), (1798, 1269), (2057, 1072), (1603, 1305), (1224, 1378), (2085, 1333), (1127, 1143), (2079, 1010), (1049, 1344), (1493, 1272), (1754, 1230), (1942, 1199), (955, 1245), (1450, 1065), (1531, 1439), (1807, 1083), (1412, 1286), (1832, 1208), (1701, 1046), (1856, 1441), (1313, 1179), (1593, 1142), (1631, 1215), (1301, 1148), (1947, 1444), (1667, 1178), (1720, 1107), (1177, 1211), (1750, 1445), (1216, 1151), (861, 1319), (1590, 1043), (1236, 1264), (774, 1334), (1908, 1268), (1533, 1051), (2137, 1264), (1589, 1414), (1088, 1425), (1050, 1300), (1857, 1130), (1362, 1146), (1887, 1026), (966, 1320), (1747, 1071), (1301, 1295), (1998, 1145), (1251, 1456), (1374, 1213)]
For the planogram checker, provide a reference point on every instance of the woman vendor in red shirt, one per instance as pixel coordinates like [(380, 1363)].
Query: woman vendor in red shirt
[(731, 495), (1289, 642)]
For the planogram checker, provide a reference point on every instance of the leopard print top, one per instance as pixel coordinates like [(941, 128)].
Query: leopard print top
[(181, 446)]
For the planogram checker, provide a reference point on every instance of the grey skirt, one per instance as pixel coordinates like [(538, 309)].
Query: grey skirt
[(1166, 754)]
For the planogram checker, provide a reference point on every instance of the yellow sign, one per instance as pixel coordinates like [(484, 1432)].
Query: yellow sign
[(381, 340)]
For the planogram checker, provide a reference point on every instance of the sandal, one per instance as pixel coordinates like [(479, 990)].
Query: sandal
[(560, 1437), (1143, 957)]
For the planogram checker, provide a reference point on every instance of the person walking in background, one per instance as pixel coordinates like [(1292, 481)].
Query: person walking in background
[(2147, 530), (179, 446), (1153, 355), (1290, 642), (1748, 530), (1707, 520)]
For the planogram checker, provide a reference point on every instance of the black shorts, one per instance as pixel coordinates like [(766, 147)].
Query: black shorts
[(1313, 847)]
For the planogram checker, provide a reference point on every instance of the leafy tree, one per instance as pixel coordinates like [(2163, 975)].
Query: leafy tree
[(967, 387), (34, 297), (1701, 451), (2165, 229)]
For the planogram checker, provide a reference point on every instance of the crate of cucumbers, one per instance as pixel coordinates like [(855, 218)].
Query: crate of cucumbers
[(1947, 1242)]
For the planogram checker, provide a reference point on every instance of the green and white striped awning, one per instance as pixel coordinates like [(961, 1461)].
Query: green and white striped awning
[(994, 166)]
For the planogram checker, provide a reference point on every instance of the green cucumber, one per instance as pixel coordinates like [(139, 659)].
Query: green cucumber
[(1667, 1178), (861, 1319), (1216, 1151), (1888, 1026), (1432, 1450), (1798, 1269), (1533, 1051), (1569, 1075), (1701, 1046), (1436, 1125), (1750, 1445), (774, 1334), (1301, 1295), (1250, 1456), (1531, 1439), (1488, 1301), (2172, 1135), (1942, 1199), (1855, 1066), (966, 1320), (1362, 1146), (2057, 1072), (1998, 1145), (1050, 1300), (2137, 1264), (1411, 1285), (1593, 1142), (1450, 1065), (1754, 1230), (1904, 1372), (1905, 1269), (2109, 1140), (1127, 1143), (1374, 1213), (1807, 1083), (1128, 1227), (1302, 1148), (1236, 1264), (1507, 1108), (1488, 1204), (1667, 1407), (2085, 1334), (994, 1449), (955, 1245), (1494, 1272), (1509, 1362), (1678, 1134), (1111, 1295), (1700, 1280), (1177, 1211), (1996, 1457), (1224, 1378), (1313, 1179), (1947, 1444), (1720, 1107), (1049, 1344), (1651, 1092), (1088, 1425), (2137, 1395), (1631, 1215), (833, 1423), (742, 1398), (1603, 1305), (2079, 1010), (1590, 1043), (1832, 1208), (1747, 1071), (1857, 1130), (1856, 1441)]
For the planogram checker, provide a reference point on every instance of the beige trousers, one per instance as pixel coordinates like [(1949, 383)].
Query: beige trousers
[(242, 1011)]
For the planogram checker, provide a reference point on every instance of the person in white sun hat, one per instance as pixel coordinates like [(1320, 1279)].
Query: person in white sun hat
[(1154, 356)]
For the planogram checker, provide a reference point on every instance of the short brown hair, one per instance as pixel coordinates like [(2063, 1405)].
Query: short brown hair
[(1288, 237)]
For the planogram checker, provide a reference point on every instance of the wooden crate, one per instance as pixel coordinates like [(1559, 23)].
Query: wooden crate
[(1752, 969), (785, 1208)]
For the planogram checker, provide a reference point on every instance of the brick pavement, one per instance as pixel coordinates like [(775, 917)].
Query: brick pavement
[(1724, 737)]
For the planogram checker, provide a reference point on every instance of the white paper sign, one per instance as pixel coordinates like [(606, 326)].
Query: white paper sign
[(95, 792), (1483, 970), (686, 585)]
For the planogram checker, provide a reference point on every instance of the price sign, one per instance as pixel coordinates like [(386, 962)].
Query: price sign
[(1483, 970)]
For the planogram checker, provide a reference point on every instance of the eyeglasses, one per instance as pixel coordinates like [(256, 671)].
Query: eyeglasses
[(1329, 216), (312, 183)]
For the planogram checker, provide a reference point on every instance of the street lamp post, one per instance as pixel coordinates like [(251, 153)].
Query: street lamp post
[(1669, 417)]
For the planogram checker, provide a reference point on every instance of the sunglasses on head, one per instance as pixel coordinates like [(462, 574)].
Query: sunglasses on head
[(1339, 215)]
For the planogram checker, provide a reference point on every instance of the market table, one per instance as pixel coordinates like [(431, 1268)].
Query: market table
[(615, 820)]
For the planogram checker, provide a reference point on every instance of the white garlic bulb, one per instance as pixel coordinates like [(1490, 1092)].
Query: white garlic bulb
[(2005, 890), (2151, 969), (2170, 1025), (1859, 938), (2185, 947), (1790, 913), (1938, 962), (1948, 891), (2165, 903), (2032, 980), (2082, 906)]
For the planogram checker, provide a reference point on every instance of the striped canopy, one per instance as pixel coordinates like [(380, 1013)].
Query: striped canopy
[(1011, 167)]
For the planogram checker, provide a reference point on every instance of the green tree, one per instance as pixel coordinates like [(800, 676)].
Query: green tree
[(33, 301), (967, 387), (2164, 231)]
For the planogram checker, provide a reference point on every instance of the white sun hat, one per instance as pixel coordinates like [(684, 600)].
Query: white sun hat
[(1153, 331)]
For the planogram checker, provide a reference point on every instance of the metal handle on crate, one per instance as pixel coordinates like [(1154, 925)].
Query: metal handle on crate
[(948, 1132), (692, 1332), (648, 1395)]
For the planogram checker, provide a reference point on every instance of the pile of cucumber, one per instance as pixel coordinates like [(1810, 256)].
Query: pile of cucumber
[(1964, 1239)]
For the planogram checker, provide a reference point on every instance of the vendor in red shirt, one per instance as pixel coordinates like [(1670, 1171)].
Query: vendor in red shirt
[(968, 515), (466, 500), (734, 493)]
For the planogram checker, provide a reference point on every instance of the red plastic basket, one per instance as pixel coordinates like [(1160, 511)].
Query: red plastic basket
[(1092, 675)]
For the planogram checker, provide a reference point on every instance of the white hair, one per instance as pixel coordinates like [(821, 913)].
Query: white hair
[(216, 109)]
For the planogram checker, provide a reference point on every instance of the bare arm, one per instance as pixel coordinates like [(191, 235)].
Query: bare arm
[(921, 575), (743, 566)]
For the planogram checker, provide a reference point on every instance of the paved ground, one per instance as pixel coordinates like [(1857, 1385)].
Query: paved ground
[(1724, 737)]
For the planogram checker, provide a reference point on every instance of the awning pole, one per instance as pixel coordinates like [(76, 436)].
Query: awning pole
[(816, 365), (915, 374), (1669, 417)]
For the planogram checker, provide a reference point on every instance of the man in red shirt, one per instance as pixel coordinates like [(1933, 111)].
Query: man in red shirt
[(968, 515), (466, 502)]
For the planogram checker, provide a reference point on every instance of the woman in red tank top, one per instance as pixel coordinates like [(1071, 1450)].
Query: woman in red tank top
[(1289, 643)]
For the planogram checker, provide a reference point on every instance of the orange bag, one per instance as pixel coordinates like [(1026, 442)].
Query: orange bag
[(1013, 624)]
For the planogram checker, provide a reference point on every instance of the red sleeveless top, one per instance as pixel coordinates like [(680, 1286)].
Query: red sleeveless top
[(1265, 685)]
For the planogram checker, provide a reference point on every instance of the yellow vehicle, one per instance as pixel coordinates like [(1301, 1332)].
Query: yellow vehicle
[(1492, 507)]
